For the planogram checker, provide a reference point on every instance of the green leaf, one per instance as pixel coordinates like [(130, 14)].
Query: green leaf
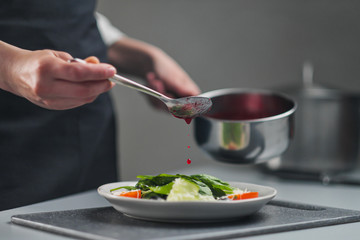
[(165, 189), (218, 187), (152, 195), (204, 189), (147, 181), (124, 187)]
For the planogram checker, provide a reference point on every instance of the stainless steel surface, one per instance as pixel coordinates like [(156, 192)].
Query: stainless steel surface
[(186, 107), (246, 125)]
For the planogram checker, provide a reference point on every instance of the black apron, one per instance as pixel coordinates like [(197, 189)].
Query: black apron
[(45, 154)]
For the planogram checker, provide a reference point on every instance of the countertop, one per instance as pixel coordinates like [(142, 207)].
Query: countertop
[(339, 196)]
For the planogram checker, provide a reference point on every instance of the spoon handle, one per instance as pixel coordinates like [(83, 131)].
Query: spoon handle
[(131, 84), (137, 86)]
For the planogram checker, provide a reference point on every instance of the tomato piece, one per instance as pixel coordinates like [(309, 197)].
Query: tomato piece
[(234, 196), (130, 194), (249, 195), (246, 195)]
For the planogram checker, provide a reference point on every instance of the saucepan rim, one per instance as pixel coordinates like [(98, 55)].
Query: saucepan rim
[(227, 91)]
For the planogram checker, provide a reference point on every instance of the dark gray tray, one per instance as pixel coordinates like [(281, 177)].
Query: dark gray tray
[(107, 223)]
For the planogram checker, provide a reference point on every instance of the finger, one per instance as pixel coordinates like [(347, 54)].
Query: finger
[(67, 89), (155, 83), (183, 86), (62, 55), (82, 72), (179, 85)]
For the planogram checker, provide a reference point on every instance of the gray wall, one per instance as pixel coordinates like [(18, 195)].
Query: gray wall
[(221, 44)]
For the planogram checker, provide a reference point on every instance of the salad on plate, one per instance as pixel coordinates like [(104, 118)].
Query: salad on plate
[(199, 187)]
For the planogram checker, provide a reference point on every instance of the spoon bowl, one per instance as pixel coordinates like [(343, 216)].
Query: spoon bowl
[(189, 107)]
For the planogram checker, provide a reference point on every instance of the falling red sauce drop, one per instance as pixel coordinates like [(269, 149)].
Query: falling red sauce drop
[(187, 120)]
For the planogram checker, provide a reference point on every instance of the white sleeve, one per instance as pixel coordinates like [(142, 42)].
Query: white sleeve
[(108, 32)]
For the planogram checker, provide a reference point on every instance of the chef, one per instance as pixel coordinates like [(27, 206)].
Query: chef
[(57, 125)]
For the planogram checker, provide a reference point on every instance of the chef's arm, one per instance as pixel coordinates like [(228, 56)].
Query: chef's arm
[(146, 61)]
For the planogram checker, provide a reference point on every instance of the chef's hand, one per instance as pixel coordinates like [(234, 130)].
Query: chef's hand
[(47, 79), (160, 71)]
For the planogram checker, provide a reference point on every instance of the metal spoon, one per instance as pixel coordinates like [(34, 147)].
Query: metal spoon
[(186, 107)]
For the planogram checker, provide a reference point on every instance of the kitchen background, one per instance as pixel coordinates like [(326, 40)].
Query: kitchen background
[(223, 44)]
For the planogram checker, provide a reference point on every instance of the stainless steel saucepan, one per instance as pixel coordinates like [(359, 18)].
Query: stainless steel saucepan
[(327, 132), (246, 126)]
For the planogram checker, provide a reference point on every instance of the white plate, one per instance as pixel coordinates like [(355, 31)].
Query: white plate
[(188, 211)]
